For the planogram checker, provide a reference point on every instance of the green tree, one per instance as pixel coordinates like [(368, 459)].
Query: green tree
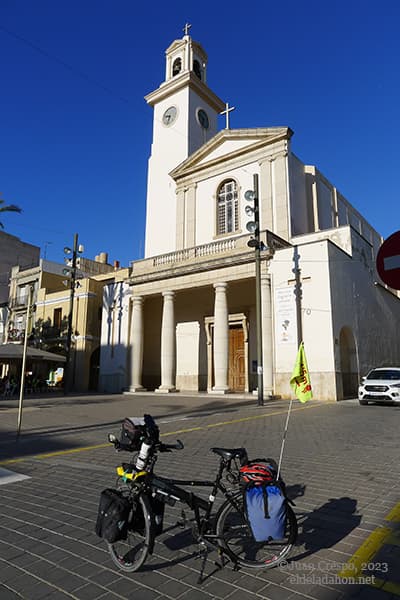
[(9, 208)]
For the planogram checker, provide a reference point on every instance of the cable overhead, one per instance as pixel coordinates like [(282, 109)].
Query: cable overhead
[(66, 65)]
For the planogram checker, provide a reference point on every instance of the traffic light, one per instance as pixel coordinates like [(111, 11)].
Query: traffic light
[(252, 211)]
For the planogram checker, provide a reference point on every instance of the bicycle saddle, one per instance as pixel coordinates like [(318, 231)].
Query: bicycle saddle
[(228, 453)]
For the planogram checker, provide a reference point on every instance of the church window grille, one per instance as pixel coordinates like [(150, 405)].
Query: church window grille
[(197, 68), (177, 66), (227, 208)]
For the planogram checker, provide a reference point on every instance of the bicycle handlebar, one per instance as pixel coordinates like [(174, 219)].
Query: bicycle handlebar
[(168, 447), (160, 446)]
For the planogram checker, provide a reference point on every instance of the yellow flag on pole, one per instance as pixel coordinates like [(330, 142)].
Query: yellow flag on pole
[(300, 381)]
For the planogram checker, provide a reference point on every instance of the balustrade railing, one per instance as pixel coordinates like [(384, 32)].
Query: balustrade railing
[(179, 256)]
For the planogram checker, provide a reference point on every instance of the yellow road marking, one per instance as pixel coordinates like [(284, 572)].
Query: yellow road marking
[(169, 433), (394, 538), (365, 552), (394, 514), (387, 586), (50, 454), (233, 421), (15, 410)]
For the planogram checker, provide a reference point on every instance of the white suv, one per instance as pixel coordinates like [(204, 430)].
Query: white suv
[(380, 385)]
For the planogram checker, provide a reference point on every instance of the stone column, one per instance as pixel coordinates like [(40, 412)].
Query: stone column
[(268, 362), (137, 345), (221, 339), (168, 345)]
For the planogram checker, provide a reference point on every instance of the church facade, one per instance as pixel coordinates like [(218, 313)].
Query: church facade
[(185, 317)]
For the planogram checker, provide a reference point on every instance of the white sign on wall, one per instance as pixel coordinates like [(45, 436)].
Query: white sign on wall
[(285, 315)]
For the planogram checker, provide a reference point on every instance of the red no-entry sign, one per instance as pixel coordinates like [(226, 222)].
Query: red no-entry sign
[(388, 261)]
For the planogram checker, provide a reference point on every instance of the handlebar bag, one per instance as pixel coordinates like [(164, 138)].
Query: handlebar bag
[(113, 516), (133, 432), (265, 507)]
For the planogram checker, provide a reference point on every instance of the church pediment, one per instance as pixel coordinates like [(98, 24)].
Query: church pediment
[(181, 43), (230, 144)]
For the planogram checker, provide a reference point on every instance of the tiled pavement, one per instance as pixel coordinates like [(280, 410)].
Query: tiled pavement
[(341, 465)]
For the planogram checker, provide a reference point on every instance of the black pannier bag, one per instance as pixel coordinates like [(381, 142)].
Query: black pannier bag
[(137, 520), (113, 516), (158, 508)]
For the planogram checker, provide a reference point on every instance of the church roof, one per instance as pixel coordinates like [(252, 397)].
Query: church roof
[(237, 142)]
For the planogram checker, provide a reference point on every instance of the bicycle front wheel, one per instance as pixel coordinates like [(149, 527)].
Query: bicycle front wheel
[(236, 539), (130, 554)]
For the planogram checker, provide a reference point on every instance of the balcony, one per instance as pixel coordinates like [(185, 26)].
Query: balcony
[(219, 253), (18, 303)]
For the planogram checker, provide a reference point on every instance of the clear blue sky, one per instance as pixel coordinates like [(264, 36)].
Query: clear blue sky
[(75, 131)]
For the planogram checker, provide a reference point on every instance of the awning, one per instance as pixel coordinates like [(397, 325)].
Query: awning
[(15, 351)]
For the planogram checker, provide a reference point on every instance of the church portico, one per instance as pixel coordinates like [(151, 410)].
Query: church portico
[(194, 339)]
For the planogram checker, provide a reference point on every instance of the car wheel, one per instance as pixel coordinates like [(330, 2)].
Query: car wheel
[(363, 402)]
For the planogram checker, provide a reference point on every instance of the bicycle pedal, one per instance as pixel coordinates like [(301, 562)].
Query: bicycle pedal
[(222, 560), (182, 523)]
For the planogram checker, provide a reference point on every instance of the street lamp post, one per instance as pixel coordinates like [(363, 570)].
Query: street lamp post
[(254, 228), (71, 271), (24, 352)]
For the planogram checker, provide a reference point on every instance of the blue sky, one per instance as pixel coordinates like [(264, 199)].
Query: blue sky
[(75, 131)]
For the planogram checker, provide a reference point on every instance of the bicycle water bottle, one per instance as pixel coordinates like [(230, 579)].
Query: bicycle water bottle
[(142, 456)]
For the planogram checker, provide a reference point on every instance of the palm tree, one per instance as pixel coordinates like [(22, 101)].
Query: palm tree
[(9, 208)]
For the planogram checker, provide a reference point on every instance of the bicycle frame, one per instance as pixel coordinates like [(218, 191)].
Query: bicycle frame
[(168, 491)]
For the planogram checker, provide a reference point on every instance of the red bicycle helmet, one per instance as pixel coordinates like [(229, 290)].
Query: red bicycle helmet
[(257, 473)]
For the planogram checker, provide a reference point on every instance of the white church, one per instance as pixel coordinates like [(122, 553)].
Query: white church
[(184, 318)]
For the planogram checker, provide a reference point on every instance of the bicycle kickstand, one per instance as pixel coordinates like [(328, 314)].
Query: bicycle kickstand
[(203, 554)]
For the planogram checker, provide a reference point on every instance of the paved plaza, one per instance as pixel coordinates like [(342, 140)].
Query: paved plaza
[(341, 465)]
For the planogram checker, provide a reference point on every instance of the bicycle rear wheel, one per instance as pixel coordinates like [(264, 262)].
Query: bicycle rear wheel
[(236, 538), (130, 554)]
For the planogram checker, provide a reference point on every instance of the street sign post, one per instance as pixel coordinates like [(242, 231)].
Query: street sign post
[(388, 261)]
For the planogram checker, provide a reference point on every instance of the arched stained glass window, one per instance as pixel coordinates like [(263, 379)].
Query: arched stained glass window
[(227, 207)]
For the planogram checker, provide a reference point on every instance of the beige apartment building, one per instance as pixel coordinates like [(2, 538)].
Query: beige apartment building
[(46, 289)]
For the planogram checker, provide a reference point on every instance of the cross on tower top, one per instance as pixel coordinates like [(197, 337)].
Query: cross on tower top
[(226, 112), (186, 28)]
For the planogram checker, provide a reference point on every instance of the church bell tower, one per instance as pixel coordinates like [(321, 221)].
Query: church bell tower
[(185, 117)]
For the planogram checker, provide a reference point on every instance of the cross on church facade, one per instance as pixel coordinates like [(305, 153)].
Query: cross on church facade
[(186, 28), (226, 112)]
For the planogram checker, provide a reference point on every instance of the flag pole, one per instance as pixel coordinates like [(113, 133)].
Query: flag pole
[(286, 424), (284, 436)]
